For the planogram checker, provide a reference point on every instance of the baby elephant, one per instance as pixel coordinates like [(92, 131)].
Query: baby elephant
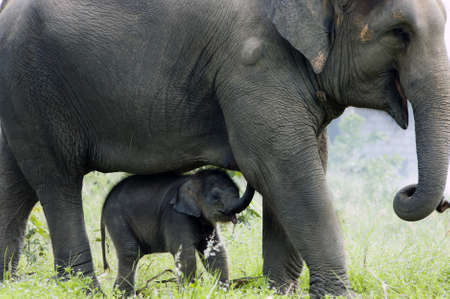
[(171, 213)]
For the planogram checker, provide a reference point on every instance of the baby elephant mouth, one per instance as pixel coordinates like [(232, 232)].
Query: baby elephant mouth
[(228, 217), (239, 205)]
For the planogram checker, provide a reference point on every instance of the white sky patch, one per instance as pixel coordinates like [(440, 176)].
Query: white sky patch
[(447, 44), (447, 26)]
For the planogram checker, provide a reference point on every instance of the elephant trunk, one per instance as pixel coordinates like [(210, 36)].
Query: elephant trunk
[(432, 116), (244, 201)]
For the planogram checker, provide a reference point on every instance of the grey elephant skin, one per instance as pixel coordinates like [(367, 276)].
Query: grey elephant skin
[(171, 213), (156, 86)]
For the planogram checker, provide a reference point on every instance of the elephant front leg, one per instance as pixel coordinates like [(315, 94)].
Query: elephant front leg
[(185, 263), (64, 213), (16, 202), (299, 204), (128, 259), (302, 223), (214, 256), (282, 261), (280, 156)]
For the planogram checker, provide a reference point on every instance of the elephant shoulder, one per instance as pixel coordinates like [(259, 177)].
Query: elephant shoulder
[(178, 229)]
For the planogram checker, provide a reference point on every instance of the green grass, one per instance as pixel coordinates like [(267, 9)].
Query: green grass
[(386, 257)]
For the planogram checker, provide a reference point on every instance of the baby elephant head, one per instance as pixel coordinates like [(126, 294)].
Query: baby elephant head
[(211, 194)]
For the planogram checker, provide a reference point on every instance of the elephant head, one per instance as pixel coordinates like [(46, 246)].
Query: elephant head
[(379, 54), (213, 195)]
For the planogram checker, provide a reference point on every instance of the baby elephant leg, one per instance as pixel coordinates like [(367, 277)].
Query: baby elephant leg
[(214, 256), (185, 263), (128, 258)]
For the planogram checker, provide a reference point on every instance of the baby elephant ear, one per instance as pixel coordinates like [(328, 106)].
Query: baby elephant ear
[(306, 25), (186, 200)]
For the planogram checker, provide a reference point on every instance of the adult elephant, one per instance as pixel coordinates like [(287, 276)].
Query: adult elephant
[(154, 86)]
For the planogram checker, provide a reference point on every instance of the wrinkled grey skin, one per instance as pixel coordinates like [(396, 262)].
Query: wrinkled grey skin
[(171, 213), (155, 86)]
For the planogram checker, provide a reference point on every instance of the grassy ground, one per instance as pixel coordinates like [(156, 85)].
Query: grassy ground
[(387, 258)]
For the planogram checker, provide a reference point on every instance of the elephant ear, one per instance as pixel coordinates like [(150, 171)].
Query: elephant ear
[(306, 25), (186, 199)]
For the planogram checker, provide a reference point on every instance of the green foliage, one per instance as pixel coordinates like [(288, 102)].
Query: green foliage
[(345, 152), (36, 237)]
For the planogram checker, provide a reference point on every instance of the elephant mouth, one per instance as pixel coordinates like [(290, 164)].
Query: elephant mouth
[(231, 218), (403, 99), (225, 217)]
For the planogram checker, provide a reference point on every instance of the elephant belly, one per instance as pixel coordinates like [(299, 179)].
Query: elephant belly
[(163, 155)]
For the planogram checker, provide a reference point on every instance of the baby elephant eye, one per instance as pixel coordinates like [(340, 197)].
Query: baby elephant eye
[(215, 194)]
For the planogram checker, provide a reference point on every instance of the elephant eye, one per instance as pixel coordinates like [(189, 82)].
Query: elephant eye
[(396, 40), (402, 35), (215, 194)]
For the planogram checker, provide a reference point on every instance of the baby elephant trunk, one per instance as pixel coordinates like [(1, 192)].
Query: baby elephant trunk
[(244, 201)]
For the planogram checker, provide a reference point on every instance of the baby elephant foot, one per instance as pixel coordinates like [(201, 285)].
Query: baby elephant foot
[(183, 280), (285, 288), (123, 291), (92, 286)]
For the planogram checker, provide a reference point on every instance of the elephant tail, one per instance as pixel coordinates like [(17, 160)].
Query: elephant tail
[(102, 232)]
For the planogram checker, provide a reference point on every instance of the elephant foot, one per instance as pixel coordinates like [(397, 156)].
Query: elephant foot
[(349, 294), (352, 295), (337, 286), (282, 262), (92, 286), (124, 291), (285, 288), (283, 277)]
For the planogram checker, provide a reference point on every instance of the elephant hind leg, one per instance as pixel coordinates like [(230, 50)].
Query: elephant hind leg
[(17, 199), (282, 264)]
